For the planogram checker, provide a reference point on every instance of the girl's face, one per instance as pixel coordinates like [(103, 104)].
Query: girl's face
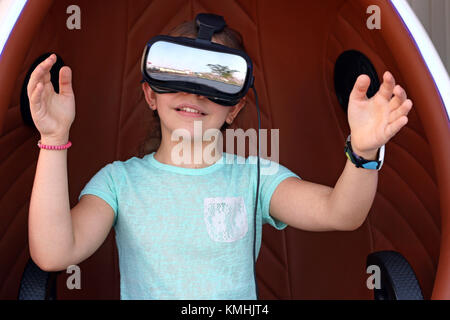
[(180, 110)]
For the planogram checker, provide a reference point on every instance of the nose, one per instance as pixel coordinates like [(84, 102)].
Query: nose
[(196, 95)]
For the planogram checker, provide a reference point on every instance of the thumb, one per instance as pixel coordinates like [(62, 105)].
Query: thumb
[(360, 88), (65, 81)]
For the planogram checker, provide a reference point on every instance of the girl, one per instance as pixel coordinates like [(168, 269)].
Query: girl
[(185, 231)]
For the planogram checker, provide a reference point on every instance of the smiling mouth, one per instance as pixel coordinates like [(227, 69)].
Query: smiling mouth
[(190, 111)]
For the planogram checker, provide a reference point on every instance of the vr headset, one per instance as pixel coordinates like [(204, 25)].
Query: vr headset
[(199, 66), (172, 64)]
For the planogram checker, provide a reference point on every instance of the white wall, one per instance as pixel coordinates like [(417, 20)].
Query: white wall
[(9, 12), (435, 17)]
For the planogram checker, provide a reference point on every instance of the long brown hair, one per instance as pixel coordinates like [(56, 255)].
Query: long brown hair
[(228, 37)]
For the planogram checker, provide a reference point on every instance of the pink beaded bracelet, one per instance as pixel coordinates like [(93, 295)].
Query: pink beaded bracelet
[(44, 146)]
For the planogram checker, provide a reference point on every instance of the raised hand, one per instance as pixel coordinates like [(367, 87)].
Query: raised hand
[(373, 122), (52, 113)]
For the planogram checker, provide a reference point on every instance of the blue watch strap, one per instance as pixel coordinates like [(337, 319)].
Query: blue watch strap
[(360, 162)]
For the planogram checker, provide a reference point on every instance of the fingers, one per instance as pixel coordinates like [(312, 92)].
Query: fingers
[(400, 93), (394, 127), (65, 81), (399, 96), (403, 110), (359, 91), (35, 99), (40, 74), (387, 87)]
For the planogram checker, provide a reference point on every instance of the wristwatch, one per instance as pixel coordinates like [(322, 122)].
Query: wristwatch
[(360, 162)]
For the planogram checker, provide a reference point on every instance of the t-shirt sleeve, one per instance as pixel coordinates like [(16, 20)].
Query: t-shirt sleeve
[(103, 185), (272, 174)]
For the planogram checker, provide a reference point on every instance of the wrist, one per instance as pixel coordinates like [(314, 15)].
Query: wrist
[(368, 155), (55, 140)]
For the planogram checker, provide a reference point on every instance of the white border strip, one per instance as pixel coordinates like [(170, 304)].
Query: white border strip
[(427, 50), (9, 13)]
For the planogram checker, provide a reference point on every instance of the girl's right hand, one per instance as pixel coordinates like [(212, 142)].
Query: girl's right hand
[(52, 113)]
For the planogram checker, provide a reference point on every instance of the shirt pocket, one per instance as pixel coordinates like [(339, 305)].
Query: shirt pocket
[(225, 218)]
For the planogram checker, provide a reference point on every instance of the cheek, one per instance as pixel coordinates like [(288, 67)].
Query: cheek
[(218, 118), (163, 103), (220, 112)]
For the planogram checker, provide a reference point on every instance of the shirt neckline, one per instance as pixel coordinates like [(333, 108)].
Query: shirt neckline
[(188, 171)]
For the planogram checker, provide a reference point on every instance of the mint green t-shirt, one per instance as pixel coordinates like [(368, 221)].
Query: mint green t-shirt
[(185, 233)]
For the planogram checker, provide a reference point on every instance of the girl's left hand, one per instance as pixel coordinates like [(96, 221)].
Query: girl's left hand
[(373, 122)]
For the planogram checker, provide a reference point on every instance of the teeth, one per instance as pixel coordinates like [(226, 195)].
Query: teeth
[(189, 110)]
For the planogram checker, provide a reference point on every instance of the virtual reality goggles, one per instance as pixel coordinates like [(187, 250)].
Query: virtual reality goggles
[(222, 74)]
